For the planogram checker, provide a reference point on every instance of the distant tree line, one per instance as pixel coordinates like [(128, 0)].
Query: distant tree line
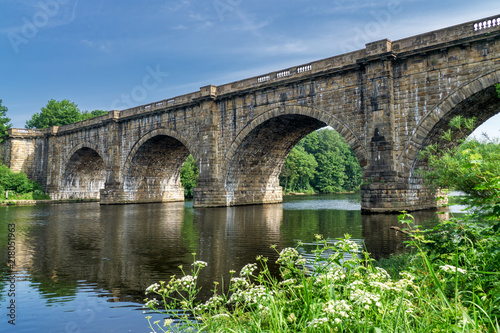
[(322, 162)]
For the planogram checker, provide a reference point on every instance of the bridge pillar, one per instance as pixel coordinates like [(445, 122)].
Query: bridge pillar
[(385, 188), (113, 192), (216, 195)]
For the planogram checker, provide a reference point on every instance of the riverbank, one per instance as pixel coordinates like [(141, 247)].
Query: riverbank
[(43, 202)]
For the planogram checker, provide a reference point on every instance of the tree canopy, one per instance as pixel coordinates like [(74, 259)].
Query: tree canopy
[(321, 162), (4, 122), (189, 176), (471, 167), (58, 113)]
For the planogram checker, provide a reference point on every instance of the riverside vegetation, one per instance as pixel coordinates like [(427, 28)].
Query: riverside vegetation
[(19, 186), (448, 281)]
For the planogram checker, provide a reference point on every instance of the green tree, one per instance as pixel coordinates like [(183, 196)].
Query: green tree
[(354, 174), (58, 113), (189, 176), (96, 113), (471, 167), (298, 170), (336, 168), (331, 176), (55, 113), (4, 122)]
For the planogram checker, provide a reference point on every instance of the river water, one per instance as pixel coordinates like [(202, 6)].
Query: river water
[(84, 267)]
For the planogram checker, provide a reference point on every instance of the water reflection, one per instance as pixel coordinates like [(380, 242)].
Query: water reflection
[(381, 240), (68, 252)]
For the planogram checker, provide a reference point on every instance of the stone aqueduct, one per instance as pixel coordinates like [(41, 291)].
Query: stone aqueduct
[(388, 100)]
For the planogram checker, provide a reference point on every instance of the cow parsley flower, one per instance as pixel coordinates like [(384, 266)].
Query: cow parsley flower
[(248, 269), (452, 269), (199, 263), (317, 322), (151, 288)]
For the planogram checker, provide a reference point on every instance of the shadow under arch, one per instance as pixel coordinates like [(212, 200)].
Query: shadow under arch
[(84, 173), (151, 172), (255, 157), (477, 98)]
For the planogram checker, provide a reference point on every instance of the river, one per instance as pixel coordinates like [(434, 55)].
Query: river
[(84, 267)]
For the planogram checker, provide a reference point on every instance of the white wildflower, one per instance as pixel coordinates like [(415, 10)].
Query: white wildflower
[(356, 285), (364, 298), (199, 263), (153, 287), (248, 269), (337, 308), (452, 269), (152, 303), (288, 256), (239, 283), (187, 281), (317, 322), (380, 285)]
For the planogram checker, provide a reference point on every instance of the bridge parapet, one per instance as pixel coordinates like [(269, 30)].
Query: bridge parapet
[(25, 133), (451, 35)]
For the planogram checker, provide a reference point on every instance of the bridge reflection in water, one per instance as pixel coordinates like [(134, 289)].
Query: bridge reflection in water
[(123, 249), (77, 258)]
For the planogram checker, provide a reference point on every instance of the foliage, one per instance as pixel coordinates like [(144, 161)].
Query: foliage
[(58, 113), (467, 250), (20, 187), (340, 290), (298, 170), (96, 113), (4, 122), (322, 161), (471, 167), (189, 176)]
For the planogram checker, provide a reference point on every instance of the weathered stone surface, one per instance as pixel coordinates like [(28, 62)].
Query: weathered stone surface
[(389, 101)]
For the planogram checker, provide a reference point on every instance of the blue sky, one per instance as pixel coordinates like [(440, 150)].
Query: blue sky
[(115, 55)]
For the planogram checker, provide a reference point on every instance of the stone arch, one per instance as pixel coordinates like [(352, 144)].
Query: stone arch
[(476, 98), (328, 119), (81, 145), (254, 159), (159, 132), (84, 173), (151, 172)]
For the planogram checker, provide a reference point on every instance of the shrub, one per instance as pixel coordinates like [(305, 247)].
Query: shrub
[(19, 185)]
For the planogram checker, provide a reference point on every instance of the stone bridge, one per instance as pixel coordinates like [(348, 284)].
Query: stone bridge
[(389, 101)]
